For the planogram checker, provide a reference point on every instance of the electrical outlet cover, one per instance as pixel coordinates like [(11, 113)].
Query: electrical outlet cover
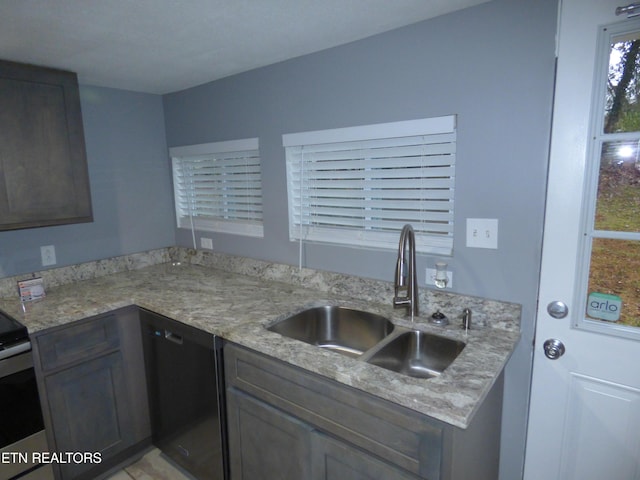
[(48, 255)]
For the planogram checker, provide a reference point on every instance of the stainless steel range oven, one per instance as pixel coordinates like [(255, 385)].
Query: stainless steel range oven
[(21, 425)]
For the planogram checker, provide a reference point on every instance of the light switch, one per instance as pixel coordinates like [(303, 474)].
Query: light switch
[(482, 232)]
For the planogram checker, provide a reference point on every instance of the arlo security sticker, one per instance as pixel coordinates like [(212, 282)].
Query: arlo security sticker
[(604, 306)]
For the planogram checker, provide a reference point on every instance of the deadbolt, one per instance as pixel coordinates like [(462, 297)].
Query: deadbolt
[(553, 348), (557, 309)]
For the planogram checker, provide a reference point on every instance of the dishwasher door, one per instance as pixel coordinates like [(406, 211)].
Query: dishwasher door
[(186, 395)]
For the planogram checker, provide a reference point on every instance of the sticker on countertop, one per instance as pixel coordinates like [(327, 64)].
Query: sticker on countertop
[(31, 289), (604, 306)]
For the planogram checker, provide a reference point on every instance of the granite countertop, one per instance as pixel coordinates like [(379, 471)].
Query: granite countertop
[(238, 307)]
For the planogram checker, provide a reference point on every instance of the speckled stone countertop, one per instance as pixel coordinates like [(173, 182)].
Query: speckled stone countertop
[(238, 307)]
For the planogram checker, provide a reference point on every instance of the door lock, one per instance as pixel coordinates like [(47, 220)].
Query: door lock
[(553, 348), (557, 309)]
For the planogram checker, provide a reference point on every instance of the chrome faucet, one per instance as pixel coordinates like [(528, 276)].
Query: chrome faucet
[(406, 277)]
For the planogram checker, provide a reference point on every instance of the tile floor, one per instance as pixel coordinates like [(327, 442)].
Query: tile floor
[(150, 467)]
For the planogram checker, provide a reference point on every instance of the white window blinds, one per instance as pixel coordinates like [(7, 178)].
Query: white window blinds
[(358, 186), (217, 187)]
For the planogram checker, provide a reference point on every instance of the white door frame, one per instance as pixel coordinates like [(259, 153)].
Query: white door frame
[(581, 394)]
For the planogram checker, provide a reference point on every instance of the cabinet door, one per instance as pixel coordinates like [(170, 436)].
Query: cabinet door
[(43, 167), (265, 443), (89, 411), (335, 460)]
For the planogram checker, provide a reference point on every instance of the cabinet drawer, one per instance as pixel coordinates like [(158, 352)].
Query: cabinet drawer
[(404, 438), (78, 342)]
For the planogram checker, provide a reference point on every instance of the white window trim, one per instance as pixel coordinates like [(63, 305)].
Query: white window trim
[(295, 144), (407, 128), (253, 228), (608, 34)]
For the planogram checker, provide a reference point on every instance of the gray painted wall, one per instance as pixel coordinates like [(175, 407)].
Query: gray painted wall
[(130, 187), (493, 66)]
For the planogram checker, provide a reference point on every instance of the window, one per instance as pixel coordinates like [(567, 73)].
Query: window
[(611, 246), (359, 185), (217, 187)]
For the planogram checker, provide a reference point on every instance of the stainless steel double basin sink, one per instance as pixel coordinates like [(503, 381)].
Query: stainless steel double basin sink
[(373, 339)]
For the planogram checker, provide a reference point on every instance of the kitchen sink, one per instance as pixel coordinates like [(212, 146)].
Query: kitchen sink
[(417, 354), (344, 330), (371, 338)]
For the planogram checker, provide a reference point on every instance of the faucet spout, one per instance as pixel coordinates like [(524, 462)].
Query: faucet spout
[(406, 280)]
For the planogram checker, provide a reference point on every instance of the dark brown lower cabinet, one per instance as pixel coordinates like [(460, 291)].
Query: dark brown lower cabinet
[(287, 423), (279, 443), (269, 444), (93, 391), (89, 409), (332, 459)]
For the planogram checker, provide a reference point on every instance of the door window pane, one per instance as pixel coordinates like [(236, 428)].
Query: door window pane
[(618, 201), (614, 282), (622, 110)]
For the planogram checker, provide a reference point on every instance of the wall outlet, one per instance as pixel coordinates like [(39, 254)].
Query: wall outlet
[(206, 243), (482, 233), (48, 254), (431, 277)]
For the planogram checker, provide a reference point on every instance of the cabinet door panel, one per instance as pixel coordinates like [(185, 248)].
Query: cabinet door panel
[(43, 167), (335, 460), (265, 443), (88, 410)]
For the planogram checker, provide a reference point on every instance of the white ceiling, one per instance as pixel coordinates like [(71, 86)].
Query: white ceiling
[(160, 46)]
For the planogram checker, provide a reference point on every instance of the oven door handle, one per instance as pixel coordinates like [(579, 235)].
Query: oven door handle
[(15, 350), (15, 359)]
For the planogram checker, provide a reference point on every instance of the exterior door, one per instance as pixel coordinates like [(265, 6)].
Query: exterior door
[(584, 419)]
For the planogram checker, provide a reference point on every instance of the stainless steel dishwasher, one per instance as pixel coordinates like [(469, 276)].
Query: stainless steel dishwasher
[(186, 395)]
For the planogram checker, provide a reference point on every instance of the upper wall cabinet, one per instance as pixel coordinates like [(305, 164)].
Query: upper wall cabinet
[(43, 165)]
